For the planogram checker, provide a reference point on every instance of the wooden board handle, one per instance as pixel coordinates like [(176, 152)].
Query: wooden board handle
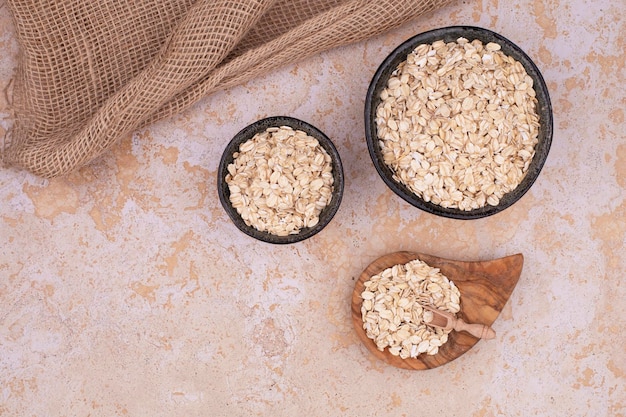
[(475, 329)]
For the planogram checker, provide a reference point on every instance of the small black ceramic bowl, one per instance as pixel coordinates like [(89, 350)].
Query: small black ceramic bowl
[(247, 133), (450, 34)]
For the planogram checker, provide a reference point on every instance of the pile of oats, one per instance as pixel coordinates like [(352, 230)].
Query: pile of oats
[(392, 311), (280, 181), (458, 123)]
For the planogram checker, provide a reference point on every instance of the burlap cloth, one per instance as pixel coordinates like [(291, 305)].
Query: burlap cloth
[(92, 71)]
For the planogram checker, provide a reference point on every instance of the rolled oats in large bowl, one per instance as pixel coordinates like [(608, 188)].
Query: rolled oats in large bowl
[(280, 180), (458, 122)]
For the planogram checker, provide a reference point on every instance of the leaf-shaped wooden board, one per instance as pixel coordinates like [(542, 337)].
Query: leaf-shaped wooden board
[(485, 287)]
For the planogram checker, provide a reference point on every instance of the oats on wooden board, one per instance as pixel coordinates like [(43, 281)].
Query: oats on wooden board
[(392, 311)]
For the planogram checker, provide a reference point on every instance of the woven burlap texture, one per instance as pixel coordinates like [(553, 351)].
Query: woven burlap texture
[(91, 72)]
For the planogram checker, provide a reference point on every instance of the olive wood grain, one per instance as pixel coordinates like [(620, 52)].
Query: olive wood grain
[(485, 287)]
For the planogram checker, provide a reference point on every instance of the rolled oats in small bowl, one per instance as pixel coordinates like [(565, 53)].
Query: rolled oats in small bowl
[(280, 180), (458, 122)]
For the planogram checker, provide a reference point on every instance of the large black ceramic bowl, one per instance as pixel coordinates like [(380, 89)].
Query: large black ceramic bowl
[(450, 34), (247, 133)]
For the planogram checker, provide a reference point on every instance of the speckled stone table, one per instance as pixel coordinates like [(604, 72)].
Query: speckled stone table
[(126, 290)]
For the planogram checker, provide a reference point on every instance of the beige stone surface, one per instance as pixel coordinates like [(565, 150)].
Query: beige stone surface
[(126, 290)]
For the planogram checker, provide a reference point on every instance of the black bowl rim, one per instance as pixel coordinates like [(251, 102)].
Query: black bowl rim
[(248, 132), (544, 109)]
